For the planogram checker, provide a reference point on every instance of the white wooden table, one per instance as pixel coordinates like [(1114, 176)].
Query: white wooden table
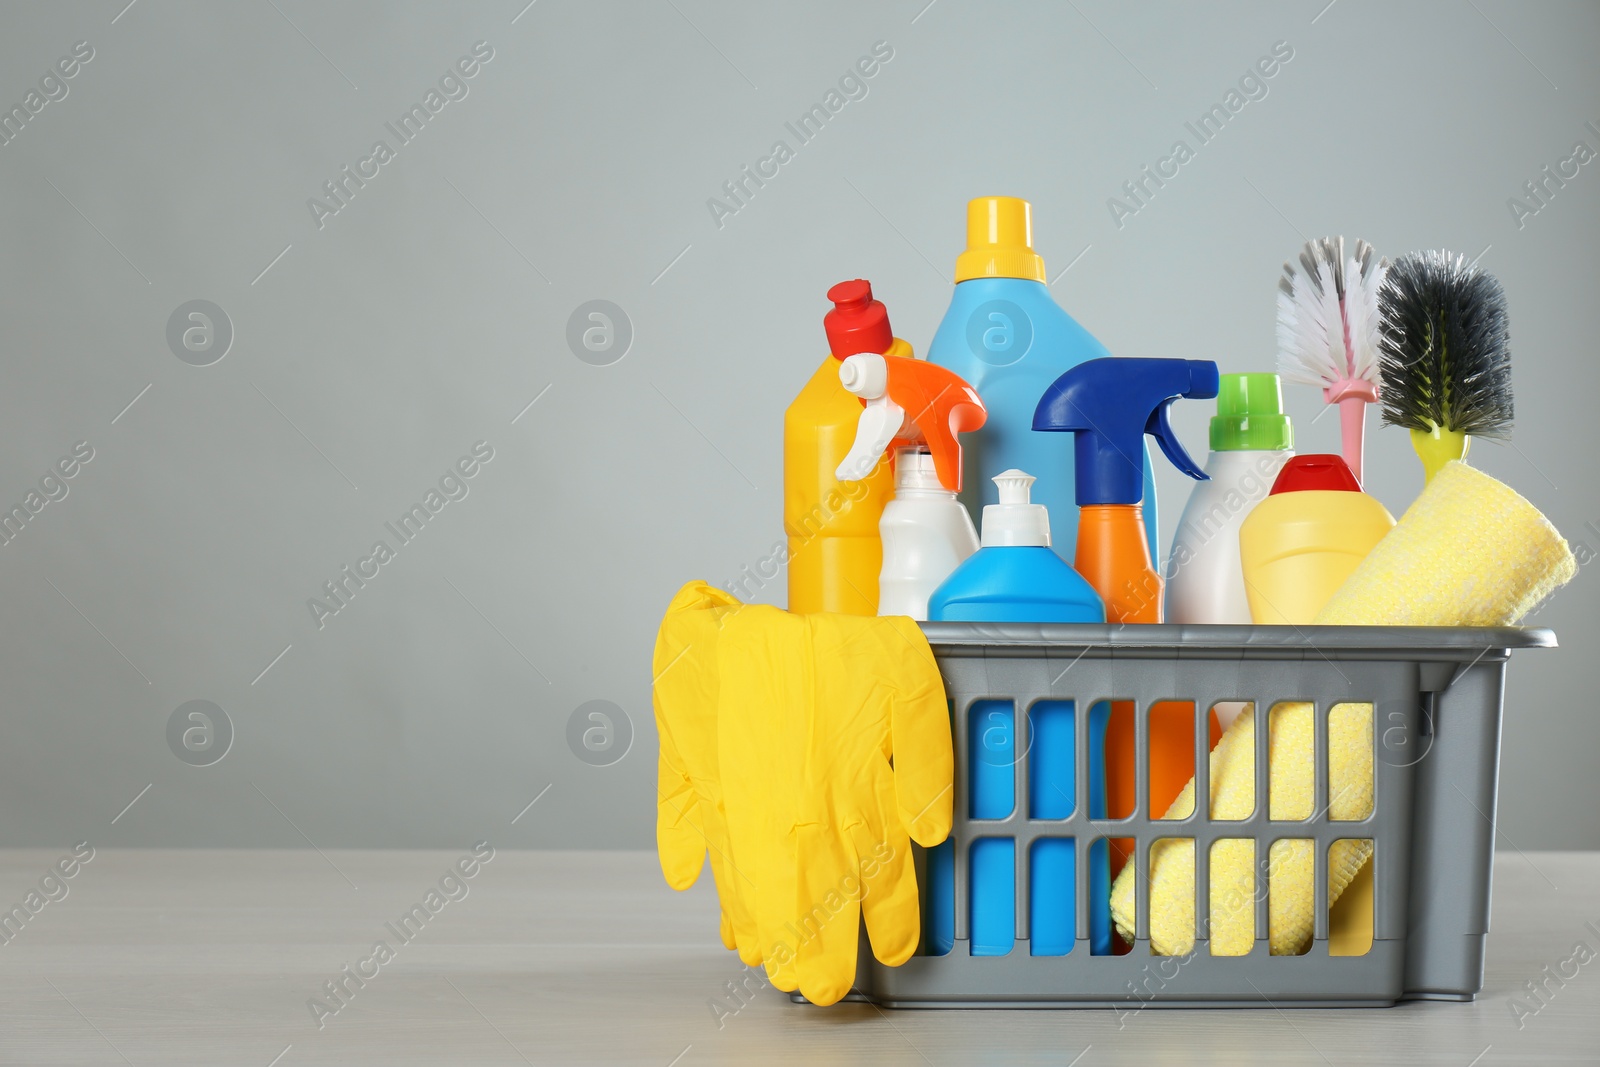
[(210, 957)]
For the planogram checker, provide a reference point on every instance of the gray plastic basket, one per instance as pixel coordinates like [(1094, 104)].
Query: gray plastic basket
[(1436, 694)]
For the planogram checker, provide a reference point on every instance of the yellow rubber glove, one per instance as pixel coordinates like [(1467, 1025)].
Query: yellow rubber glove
[(763, 714), (813, 710), (689, 818), (860, 810)]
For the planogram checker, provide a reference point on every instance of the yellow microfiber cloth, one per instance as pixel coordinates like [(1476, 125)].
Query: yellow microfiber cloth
[(1233, 796), (1468, 552)]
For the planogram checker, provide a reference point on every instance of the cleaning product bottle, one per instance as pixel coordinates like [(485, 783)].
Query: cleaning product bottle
[(1110, 404), (1005, 334), (1301, 543), (1010, 579), (1251, 440), (915, 409), (834, 551), (1015, 577)]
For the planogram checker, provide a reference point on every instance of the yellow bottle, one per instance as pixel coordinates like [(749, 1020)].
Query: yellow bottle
[(1301, 542), (832, 526)]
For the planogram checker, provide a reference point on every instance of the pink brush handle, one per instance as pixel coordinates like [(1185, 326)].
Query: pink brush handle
[(1353, 432), (1352, 395)]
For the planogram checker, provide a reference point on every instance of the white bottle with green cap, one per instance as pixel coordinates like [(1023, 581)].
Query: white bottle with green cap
[(1251, 440)]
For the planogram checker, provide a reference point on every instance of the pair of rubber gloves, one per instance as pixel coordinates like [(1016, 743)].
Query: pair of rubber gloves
[(803, 753)]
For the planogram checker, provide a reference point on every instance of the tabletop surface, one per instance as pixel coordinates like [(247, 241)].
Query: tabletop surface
[(174, 957)]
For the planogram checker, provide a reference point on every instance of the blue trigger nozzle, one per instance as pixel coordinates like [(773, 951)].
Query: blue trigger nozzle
[(1110, 404)]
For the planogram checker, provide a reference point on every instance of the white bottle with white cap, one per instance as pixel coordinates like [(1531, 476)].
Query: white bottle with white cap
[(925, 529), (926, 533)]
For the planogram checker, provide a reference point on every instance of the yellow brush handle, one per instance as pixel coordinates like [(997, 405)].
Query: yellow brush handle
[(1438, 446)]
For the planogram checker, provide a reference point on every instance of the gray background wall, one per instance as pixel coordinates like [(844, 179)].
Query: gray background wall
[(371, 352)]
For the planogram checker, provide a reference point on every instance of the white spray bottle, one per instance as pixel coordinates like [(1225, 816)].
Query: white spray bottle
[(914, 410)]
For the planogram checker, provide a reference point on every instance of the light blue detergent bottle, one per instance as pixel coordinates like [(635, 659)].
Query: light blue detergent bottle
[(1013, 577), (1006, 336)]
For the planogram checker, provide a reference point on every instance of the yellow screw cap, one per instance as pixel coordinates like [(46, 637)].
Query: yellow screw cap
[(999, 241)]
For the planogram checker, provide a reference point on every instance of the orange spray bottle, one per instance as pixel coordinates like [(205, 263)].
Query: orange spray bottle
[(834, 554), (1110, 404)]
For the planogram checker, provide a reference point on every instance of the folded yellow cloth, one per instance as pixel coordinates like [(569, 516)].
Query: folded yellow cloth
[(1233, 796), (1468, 552), (831, 752)]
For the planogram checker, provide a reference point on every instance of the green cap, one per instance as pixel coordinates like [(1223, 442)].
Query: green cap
[(1250, 415)]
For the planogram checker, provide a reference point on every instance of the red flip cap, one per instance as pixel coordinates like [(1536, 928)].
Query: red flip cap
[(1324, 472), (857, 322)]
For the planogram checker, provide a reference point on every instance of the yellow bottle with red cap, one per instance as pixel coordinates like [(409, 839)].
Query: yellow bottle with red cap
[(834, 551), (1299, 544)]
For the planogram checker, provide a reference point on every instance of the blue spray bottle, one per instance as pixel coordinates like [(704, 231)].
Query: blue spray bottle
[(1014, 577), (1006, 336)]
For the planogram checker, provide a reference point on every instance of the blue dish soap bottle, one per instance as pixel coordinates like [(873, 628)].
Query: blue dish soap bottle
[(1008, 337), (1014, 577)]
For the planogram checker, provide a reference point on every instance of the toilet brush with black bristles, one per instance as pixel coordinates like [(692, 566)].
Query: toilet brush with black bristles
[(1444, 355)]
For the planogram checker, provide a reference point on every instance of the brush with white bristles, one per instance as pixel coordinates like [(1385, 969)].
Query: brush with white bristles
[(1328, 331)]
